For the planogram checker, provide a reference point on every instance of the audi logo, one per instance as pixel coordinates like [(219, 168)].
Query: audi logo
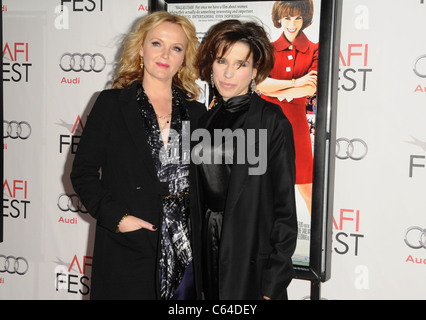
[(71, 203), (415, 238), (416, 68), (11, 264), (14, 129), (82, 62), (355, 149)]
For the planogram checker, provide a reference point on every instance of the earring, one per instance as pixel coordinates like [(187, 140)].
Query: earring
[(253, 85), (141, 63), (211, 80), (179, 72)]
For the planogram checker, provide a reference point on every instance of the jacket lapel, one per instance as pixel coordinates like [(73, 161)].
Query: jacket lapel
[(130, 111), (205, 119), (239, 172)]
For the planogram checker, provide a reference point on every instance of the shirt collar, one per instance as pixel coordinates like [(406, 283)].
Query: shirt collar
[(301, 43)]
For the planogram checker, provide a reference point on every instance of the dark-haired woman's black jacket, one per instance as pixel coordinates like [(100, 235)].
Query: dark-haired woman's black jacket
[(259, 229)]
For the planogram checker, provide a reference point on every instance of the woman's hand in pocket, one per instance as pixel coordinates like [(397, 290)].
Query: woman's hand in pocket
[(132, 223)]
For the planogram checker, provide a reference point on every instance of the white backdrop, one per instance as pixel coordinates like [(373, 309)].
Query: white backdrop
[(379, 242)]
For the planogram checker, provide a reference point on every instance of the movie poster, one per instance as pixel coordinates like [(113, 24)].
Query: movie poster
[(293, 27)]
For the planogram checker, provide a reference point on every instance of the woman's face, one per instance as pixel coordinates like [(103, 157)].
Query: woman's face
[(232, 73), (163, 51), (292, 26)]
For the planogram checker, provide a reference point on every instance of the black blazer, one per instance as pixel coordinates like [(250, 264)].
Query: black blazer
[(259, 230), (113, 173)]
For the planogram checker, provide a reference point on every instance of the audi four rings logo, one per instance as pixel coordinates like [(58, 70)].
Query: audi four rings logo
[(11, 264), (421, 74), (82, 62), (415, 238), (355, 149), (70, 203), (15, 130)]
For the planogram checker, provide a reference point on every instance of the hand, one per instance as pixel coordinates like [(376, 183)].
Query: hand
[(132, 223), (309, 79), (266, 298)]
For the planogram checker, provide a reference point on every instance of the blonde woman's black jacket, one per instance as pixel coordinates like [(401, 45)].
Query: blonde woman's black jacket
[(113, 174)]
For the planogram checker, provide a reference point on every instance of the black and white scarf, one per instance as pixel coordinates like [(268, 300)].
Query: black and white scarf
[(176, 252)]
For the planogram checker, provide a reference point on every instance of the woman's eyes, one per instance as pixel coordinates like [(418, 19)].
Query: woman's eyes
[(239, 64), (297, 18), (175, 48)]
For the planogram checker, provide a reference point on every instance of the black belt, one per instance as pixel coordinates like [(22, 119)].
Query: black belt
[(182, 195)]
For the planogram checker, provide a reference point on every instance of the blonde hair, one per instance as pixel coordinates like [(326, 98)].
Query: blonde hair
[(129, 69)]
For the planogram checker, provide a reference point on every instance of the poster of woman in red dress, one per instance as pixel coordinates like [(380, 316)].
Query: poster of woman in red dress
[(293, 82), (293, 28)]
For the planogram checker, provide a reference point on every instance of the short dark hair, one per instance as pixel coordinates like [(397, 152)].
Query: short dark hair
[(222, 36), (304, 8)]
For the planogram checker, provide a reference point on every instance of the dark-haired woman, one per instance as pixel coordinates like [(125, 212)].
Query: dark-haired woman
[(292, 80), (249, 213)]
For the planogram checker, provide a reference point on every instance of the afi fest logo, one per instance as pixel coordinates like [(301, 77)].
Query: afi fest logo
[(347, 242), (16, 62), (73, 277), (354, 71), (15, 198), (72, 139), (417, 161), (62, 21), (351, 77)]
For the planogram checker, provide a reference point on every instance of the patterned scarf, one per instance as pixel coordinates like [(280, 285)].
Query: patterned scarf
[(176, 252)]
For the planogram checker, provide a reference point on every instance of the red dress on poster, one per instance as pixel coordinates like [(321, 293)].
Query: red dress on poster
[(294, 60)]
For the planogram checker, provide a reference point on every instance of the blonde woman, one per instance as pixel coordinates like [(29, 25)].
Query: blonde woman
[(143, 247)]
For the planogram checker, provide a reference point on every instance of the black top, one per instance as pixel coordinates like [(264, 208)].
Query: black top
[(215, 174)]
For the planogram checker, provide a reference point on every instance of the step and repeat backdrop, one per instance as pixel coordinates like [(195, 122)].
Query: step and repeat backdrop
[(59, 54)]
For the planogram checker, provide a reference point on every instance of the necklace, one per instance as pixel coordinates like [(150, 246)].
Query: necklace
[(163, 117), (163, 121)]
